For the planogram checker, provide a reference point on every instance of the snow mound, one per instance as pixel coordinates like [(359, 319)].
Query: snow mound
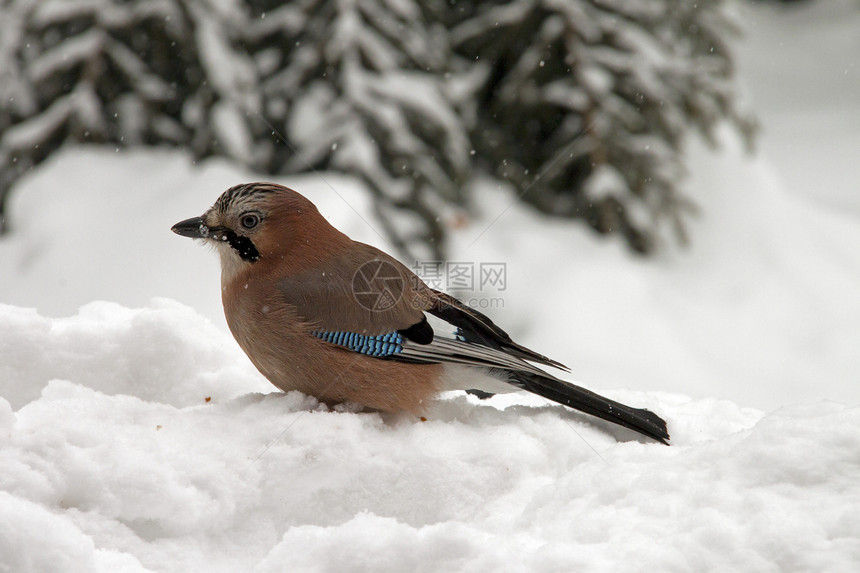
[(140, 440), (163, 352)]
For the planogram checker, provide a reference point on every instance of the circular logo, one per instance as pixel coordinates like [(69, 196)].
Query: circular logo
[(377, 285)]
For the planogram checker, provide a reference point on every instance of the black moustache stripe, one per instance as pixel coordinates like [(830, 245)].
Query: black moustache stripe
[(242, 245)]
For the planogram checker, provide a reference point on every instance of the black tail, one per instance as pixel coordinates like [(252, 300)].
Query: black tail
[(639, 420)]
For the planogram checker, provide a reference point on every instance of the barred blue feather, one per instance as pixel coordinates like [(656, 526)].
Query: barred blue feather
[(380, 346)]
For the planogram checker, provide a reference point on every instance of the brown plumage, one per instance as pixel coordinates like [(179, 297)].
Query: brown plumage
[(343, 321)]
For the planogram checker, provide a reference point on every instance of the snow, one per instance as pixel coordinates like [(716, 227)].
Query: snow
[(107, 343), (135, 435), (416, 93), (232, 131), (814, 147), (71, 52), (121, 458), (230, 73)]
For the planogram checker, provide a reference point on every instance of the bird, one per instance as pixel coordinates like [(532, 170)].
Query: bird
[(344, 321)]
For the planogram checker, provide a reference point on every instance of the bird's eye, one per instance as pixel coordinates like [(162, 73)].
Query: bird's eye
[(250, 220)]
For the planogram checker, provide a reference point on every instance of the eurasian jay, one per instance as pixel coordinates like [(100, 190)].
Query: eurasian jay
[(343, 321)]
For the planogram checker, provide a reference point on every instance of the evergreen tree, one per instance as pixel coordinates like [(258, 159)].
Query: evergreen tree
[(585, 104), (365, 88), (138, 72), (582, 105)]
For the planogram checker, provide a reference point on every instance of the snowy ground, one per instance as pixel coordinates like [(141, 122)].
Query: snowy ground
[(136, 436)]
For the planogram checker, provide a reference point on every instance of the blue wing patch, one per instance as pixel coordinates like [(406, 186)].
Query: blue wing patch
[(380, 345)]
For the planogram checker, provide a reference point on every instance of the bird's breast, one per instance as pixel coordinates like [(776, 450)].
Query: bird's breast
[(282, 346)]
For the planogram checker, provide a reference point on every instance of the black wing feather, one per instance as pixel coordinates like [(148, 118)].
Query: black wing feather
[(483, 344), (477, 327), (420, 332), (637, 419)]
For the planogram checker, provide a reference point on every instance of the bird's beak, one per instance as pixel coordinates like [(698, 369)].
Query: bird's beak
[(194, 228)]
